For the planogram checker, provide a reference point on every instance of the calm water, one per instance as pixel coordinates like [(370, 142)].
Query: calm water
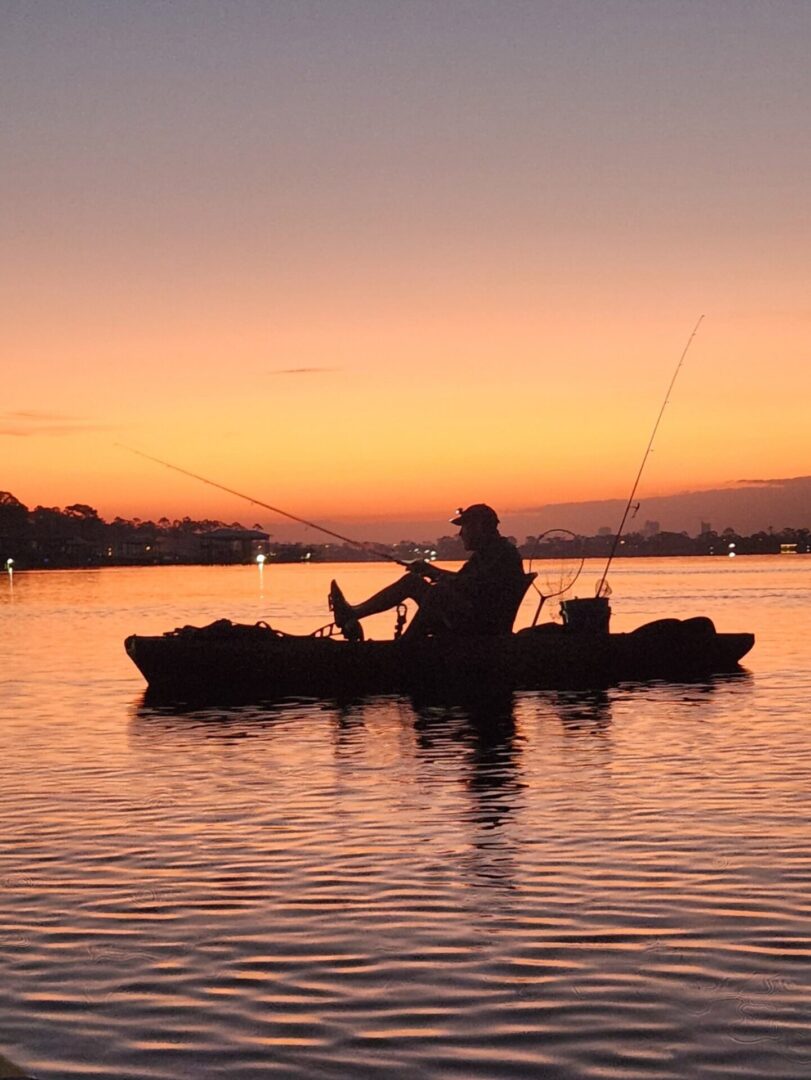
[(604, 886)]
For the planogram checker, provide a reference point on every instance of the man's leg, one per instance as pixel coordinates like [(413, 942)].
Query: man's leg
[(347, 616), (435, 613), (408, 587)]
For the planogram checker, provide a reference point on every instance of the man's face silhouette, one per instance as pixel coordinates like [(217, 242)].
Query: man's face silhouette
[(474, 533)]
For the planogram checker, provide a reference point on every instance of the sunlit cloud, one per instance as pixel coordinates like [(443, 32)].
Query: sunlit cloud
[(778, 483)]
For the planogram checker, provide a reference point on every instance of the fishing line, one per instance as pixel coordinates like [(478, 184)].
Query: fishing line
[(267, 506), (601, 586)]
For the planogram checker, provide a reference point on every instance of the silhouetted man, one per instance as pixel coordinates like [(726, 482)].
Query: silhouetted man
[(481, 598)]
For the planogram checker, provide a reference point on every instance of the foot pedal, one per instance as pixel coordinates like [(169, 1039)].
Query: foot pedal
[(344, 618)]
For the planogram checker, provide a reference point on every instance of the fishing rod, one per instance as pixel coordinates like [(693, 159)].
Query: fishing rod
[(601, 586), (258, 502)]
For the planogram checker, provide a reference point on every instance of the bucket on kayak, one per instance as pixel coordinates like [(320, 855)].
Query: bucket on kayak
[(590, 616)]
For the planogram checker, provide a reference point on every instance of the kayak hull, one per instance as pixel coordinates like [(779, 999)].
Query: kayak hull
[(226, 661)]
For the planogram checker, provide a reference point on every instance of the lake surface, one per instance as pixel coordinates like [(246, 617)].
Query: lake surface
[(614, 885)]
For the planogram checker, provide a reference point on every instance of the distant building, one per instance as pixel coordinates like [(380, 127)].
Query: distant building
[(229, 545), (705, 528), (133, 548), (184, 547), (650, 528), (605, 530)]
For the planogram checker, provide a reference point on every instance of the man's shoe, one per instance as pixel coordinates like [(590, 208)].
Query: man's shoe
[(344, 616)]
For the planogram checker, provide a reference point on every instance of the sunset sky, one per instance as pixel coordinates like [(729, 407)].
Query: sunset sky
[(386, 258)]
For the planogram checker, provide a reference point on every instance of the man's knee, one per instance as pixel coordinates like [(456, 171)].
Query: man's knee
[(413, 587)]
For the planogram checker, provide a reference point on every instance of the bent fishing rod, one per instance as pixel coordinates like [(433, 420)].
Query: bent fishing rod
[(645, 457), (267, 506)]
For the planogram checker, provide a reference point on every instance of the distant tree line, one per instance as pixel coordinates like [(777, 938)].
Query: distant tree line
[(75, 536), (48, 536)]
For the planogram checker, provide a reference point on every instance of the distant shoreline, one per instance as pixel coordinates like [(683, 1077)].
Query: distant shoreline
[(270, 562), (77, 538)]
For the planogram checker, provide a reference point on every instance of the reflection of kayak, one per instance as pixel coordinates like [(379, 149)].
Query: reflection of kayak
[(230, 660)]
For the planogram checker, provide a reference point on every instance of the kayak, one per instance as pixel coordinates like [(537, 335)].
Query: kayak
[(229, 661)]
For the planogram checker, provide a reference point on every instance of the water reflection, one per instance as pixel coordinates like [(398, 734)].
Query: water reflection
[(489, 720), (479, 745), (158, 722), (401, 744), (710, 695), (577, 885), (478, 763), (487, 738), (582, 712)]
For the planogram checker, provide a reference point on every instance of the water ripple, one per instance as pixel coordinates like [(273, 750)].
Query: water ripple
[(579, 886)]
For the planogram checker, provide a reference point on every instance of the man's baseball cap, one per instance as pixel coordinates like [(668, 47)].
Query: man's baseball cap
[(478, 512)]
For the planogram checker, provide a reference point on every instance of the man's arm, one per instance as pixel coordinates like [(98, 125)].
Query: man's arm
[(428, 570)]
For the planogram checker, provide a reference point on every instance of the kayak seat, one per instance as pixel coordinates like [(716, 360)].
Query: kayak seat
[(494, 618), (510, 603)]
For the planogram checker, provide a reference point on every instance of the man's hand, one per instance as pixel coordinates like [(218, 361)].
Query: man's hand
[(423, 568)]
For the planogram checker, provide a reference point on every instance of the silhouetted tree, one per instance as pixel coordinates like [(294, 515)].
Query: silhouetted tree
[(13, 516)]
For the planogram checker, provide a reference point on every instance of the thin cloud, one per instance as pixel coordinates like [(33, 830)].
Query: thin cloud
[(301, 370), (775, 482), (24, 423), (38, 416), (779, 482)]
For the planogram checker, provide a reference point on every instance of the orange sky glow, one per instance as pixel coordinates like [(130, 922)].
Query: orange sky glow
[(373, 260)]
